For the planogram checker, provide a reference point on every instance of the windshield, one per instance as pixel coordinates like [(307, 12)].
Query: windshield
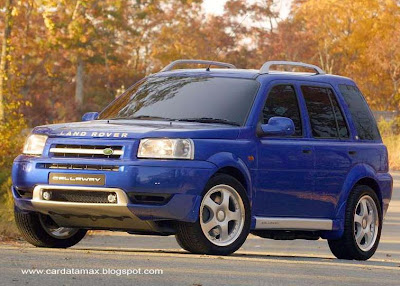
[(201, 99)]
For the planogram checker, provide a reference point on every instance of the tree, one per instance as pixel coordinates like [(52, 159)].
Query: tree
[(4, 53), (384, 53), (354, 38)]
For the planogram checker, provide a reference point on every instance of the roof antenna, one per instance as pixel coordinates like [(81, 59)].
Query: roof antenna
[(231, 33)]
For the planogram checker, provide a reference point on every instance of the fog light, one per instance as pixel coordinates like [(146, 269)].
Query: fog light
[(112, 198), (46, 195)]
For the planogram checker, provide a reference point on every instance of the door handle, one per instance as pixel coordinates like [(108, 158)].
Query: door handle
[(307, 151), (352, 152)]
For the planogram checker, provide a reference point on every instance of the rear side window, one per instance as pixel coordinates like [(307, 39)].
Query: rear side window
[(362, 116), (326, 118), (282, 101), (341, 123)]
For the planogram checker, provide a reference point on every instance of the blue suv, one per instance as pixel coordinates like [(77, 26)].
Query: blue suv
[(210, 155)]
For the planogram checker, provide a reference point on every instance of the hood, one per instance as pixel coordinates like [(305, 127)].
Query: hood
[(138, 129)]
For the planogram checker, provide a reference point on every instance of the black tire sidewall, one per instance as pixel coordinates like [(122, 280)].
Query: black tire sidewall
[(357, 193), (222, 179), (33, 232)]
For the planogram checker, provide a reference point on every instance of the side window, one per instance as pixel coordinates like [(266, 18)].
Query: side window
[(282, 101), (362, 117), (326, 119), (341, 122)]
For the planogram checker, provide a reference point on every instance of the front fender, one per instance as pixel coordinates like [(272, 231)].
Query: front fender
[(226, 159)]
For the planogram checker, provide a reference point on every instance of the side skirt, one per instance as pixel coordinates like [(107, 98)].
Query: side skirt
[(293, 223)]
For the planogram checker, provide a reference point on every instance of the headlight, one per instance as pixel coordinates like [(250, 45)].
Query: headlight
[(34, 145), (166, 149)]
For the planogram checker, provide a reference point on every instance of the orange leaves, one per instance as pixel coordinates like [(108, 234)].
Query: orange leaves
[(355, 38)]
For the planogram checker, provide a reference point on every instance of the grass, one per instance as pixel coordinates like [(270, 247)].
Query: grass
[(8, 229), (392, 143)]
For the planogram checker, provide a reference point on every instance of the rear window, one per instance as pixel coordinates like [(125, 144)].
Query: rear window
[(186, 98), (362, 116)]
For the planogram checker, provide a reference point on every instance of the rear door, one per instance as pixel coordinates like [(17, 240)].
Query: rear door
[(330, 138)]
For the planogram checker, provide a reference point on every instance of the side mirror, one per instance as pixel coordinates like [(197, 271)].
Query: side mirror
[(277, 126), (88, 116)]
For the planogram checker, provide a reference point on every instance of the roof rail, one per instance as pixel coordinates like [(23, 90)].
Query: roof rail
[(210, 63), (267, 65)]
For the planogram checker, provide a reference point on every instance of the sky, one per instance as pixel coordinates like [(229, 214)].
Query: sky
[(217, 7)]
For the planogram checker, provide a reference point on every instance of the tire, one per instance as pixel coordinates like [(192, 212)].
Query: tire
[(363, 220), (182, 245), (224, 212), (41, 231)]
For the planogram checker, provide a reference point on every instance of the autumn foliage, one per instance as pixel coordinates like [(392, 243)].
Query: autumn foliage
[(68, 57), (62, 58)]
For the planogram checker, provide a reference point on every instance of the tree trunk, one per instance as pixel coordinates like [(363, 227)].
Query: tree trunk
[(4, 54), (79, 82), (392, 96)]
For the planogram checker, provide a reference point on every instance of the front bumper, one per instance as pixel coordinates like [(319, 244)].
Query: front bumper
[(183, 181)]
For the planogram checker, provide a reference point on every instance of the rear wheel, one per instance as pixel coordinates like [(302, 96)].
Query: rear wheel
[(40, 230), (224, 219), (362, 227)]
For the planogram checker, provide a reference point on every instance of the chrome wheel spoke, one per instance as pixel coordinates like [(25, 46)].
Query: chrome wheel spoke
[(366, 223), (225, 199), (212, 223), (364, 208), (360, 236), (233, 215), (358, 219), (224, 231), (212, 206), (370, 219), (368, 237), (221, 215)]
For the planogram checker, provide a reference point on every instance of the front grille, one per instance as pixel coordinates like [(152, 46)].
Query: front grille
[(86, 151), (78, 196), (112, 168)]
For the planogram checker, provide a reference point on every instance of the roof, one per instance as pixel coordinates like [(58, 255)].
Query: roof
[(264, 73), (253, 74)]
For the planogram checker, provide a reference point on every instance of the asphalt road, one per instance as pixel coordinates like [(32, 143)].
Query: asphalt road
[(258, 262)]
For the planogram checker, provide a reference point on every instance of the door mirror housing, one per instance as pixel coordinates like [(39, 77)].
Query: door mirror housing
[(88, 116), (277, 126)]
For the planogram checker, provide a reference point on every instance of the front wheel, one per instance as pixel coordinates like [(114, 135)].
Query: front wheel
[(224, 219), (362, 226), (40, 230)]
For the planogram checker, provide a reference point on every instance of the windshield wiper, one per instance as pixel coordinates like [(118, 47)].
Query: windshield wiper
[(201, 119), (148, 117), (209, 120)]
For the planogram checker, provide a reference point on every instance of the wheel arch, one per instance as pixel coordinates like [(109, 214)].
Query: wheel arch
[(233, 172), (360, 175), (230, 164), (373, 184)]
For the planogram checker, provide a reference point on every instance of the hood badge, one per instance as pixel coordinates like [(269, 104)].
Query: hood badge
[(108, 151), (94, 134)]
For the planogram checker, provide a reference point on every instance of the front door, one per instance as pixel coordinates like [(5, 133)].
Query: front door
[(285, 164)]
